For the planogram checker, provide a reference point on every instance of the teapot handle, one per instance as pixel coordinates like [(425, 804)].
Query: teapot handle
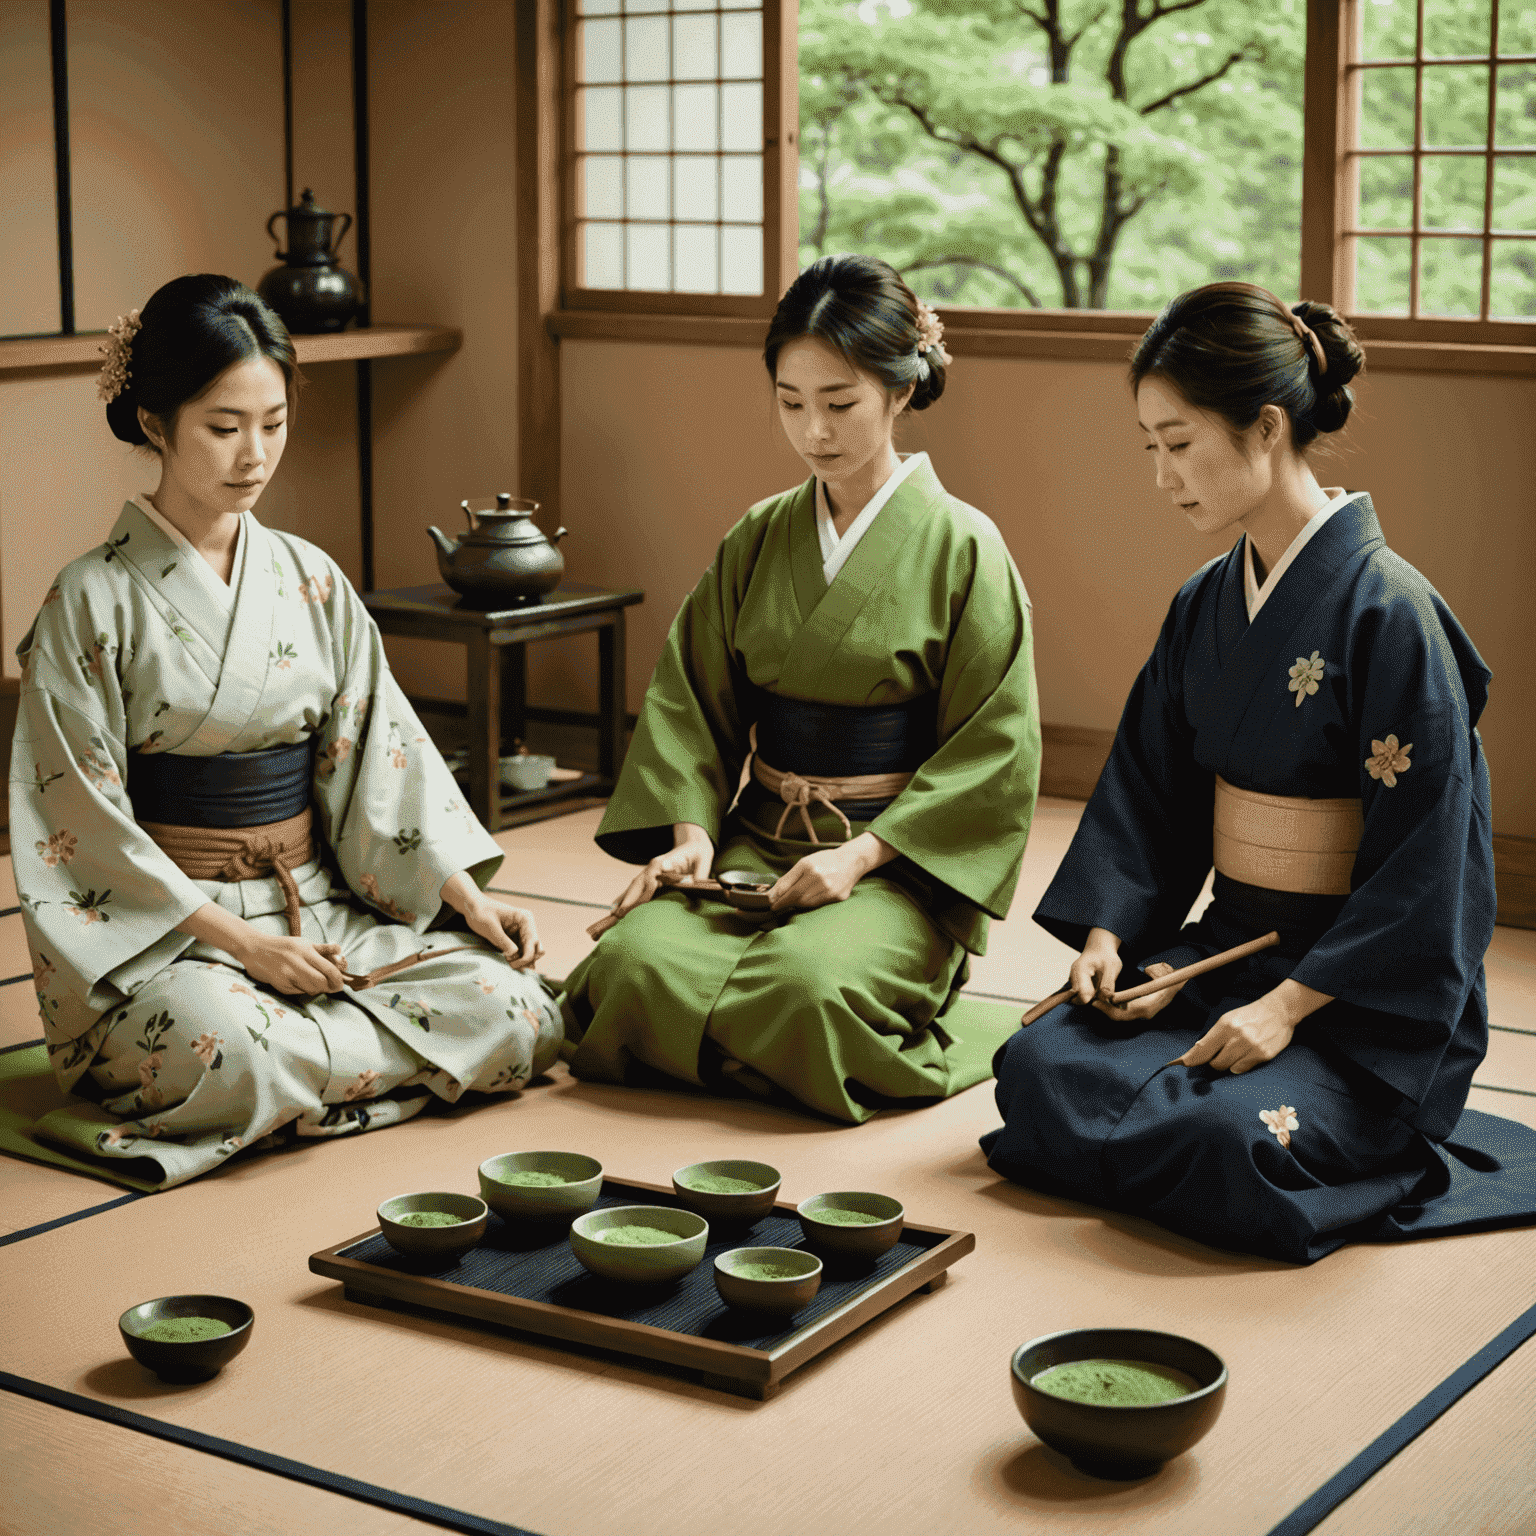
[(341, 234), (282, 213), (558, 534)]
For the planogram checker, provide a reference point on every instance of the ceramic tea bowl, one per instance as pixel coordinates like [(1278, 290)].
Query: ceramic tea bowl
[(447, 1244), (742, 1205), (194, 1359), (583, 1177), (866, 1240), (757, 1294), (640, 1263), (527, 770), (746, 891), (1110, 1440)]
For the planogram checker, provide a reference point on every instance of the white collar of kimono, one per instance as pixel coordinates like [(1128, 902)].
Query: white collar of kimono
[(1256, 595), (222, 592), (834, 550)]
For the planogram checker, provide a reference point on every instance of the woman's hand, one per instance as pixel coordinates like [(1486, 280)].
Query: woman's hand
[(290, 965), (691, 858), (1245, 1038), (1141, 1007), (510, 929), (1094, 972), (829, 875)]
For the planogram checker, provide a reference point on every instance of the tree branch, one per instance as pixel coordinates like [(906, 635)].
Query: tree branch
[(984, 266), (1253, 51)]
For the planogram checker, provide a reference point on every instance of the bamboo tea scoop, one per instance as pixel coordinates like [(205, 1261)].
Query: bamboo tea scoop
[(1162, 983)]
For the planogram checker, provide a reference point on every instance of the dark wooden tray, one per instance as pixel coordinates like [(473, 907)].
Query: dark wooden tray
[(528, 1279)]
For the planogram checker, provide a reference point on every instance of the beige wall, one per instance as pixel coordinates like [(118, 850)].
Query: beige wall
[(664, 447)]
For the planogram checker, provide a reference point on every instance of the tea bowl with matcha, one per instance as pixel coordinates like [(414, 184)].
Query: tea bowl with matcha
[(1118, 1402), (540, 1186), (433, 1225), (731, 1189), (186, 1338), (851, 1223), (641, 1244), (767, 1279)]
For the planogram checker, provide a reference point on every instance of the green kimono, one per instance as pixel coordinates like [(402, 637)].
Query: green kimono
[(839, 1005)]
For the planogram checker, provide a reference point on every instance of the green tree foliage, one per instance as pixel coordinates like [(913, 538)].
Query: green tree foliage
[(1080, 153), (1109, 153)]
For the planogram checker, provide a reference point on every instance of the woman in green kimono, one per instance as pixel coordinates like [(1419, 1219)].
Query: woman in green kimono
[(869, 635), (230, 832)]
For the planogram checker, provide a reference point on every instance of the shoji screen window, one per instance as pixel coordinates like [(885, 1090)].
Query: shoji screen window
[(1444, 161), (674, 138)]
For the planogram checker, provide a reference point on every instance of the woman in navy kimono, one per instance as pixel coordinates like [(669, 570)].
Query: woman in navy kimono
[(1307, 722)]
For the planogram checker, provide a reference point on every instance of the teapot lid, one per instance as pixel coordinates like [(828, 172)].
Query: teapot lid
[(308, 208)]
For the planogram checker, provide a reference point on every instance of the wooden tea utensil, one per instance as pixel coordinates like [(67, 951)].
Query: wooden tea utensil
[(742, 890), (1162, 983)]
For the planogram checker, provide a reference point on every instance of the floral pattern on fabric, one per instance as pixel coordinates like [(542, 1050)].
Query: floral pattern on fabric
[(1387, 760), (1306, 675), (59, 849), (1281, 1122)]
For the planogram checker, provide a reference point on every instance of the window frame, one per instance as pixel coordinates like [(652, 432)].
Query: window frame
[(781, 164), (1330, 116)]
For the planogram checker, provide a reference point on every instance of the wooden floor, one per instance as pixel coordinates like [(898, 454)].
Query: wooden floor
[(906, 1427)]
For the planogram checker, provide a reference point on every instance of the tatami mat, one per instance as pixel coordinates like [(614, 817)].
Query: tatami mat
[(907, 1427)]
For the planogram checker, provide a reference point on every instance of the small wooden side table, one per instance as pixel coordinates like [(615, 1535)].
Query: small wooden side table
[(498, 707)]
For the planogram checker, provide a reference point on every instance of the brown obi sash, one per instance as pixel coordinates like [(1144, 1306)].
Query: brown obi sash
[(799, 791), (1285, 842), (248, 853)]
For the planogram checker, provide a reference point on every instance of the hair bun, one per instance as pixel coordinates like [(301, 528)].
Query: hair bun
[(123, 417), (929, 388), (1345, 357)]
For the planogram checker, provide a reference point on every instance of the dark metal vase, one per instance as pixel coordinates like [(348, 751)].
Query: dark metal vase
[(309, 291)]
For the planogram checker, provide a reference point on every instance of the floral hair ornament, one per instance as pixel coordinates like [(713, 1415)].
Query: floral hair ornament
[(114, 375), (1308, 338), (930, 335)]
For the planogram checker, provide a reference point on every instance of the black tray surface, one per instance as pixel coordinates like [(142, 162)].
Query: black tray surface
[(534, 1261)]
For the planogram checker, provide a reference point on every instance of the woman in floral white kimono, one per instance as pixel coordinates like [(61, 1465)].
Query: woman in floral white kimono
[(231, 833)]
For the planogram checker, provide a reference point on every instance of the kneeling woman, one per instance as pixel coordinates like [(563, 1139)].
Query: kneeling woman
[(1307, 722), (875, 632), (224, 813)]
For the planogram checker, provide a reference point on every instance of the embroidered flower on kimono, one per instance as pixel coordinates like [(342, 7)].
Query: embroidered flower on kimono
[(59, 849), (371, 890), (397, 757), (242, 989), (316, 590), (1387, 760), (1281, 1122), (206, 1049), (485, 986), (149, 1067), (1306, 675), (42, 972), (363, 1088), (98, 768), (115, 1137)]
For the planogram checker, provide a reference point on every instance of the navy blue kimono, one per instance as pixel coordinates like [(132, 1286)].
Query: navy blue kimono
[(1358, 1129)]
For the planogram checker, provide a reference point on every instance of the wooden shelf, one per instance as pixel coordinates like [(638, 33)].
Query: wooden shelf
[(78, 354)]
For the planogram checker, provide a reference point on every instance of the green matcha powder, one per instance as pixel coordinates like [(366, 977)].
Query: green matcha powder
[(634, 1236), (766, 1272), (184, 1330), (1115, 1383), (722, 1184), (530, 1179), (428, 1219), (834, 1217)]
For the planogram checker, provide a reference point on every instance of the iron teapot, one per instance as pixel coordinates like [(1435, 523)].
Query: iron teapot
[(504, 557), (309, 291)]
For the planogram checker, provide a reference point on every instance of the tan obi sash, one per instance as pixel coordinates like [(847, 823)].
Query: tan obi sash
[(248, 853), (1285, 842), (800, 791)]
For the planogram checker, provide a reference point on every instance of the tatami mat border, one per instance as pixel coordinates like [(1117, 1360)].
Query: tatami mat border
[(232, 1450), (564, 901), (64, 1221), (9, 911), (10, 981), (23, 1045), (1310, 1514)]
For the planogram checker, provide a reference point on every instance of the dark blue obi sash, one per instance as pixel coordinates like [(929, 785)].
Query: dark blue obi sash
[(233, 789), (843, 741)]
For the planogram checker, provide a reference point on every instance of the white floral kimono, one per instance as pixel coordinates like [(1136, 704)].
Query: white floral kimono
[(139, 648)]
